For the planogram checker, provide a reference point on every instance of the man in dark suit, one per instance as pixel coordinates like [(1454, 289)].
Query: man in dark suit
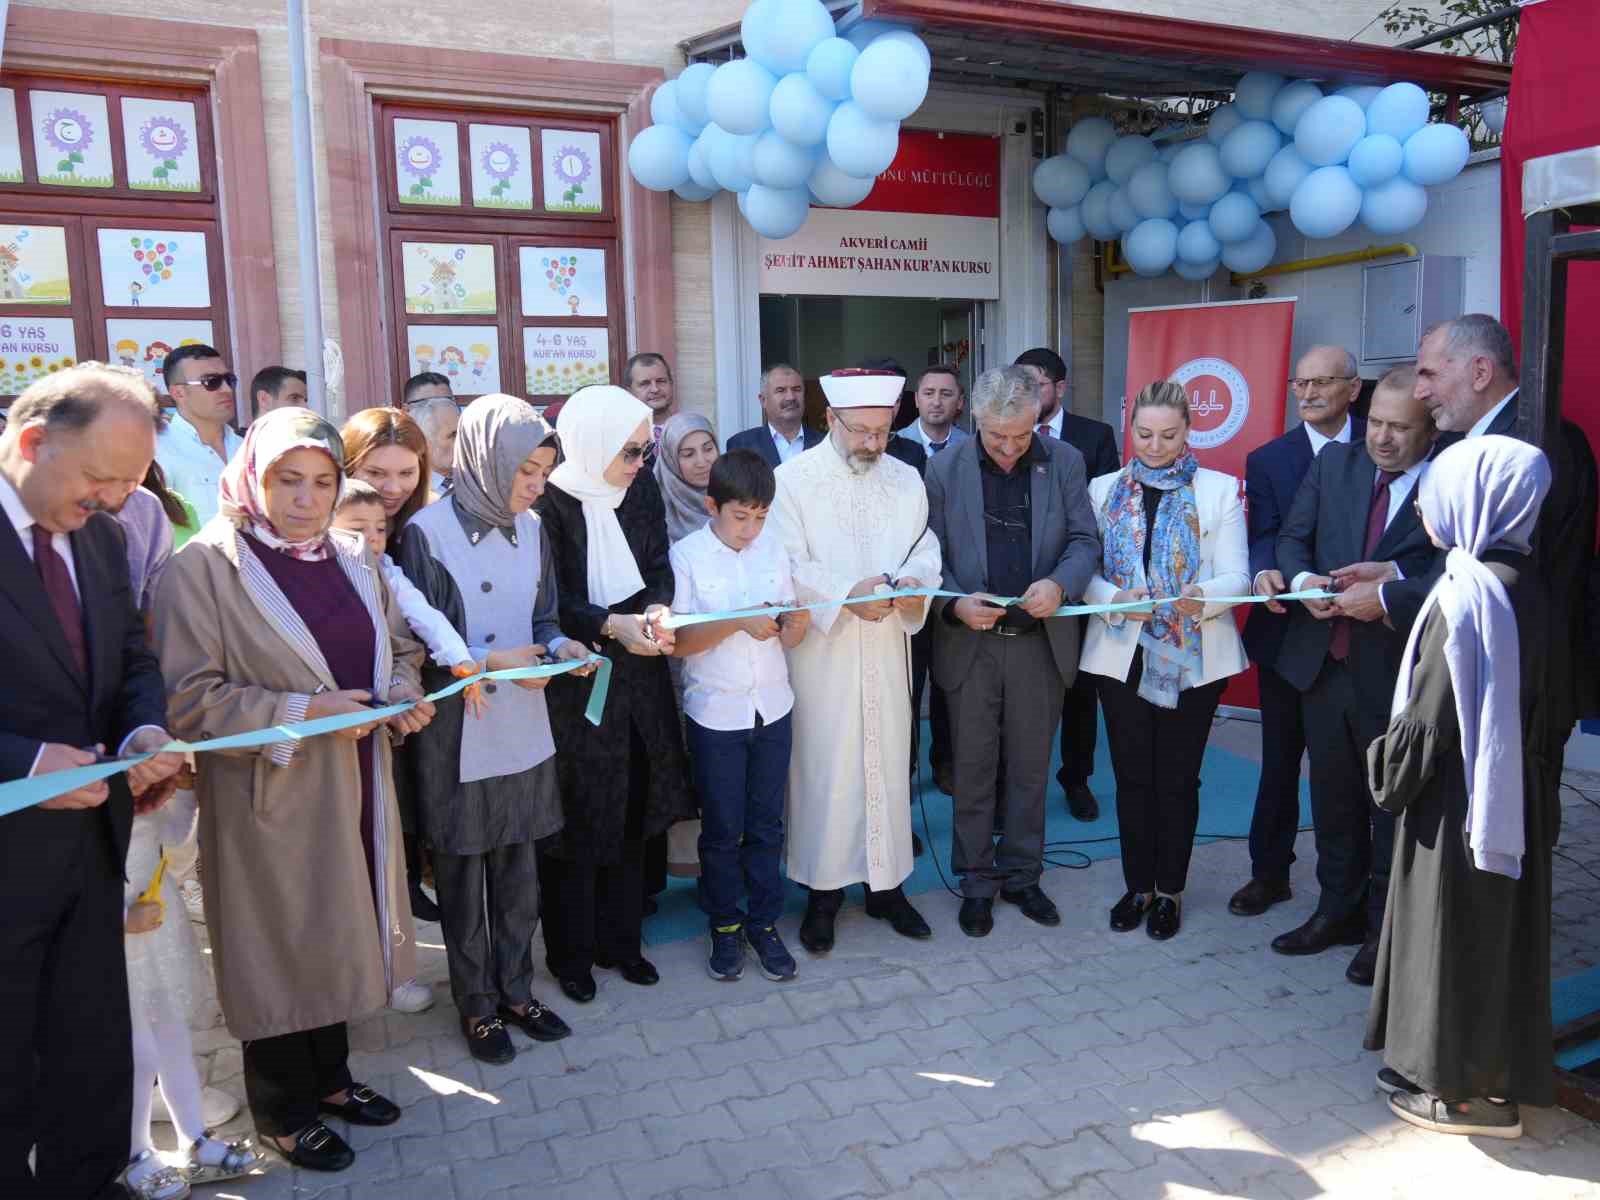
[(1353, 517), (1012, 515), (1097, 443), (79, 679), (1325, 384), (783, 403)]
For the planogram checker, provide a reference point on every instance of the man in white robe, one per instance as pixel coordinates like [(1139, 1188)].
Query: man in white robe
[(854, 522)]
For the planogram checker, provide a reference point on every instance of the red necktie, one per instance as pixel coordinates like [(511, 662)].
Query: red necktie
[(63, 596), (1044, 430), (1377, 522)]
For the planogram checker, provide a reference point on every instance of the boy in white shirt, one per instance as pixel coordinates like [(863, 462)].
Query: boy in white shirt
[(737, 702)]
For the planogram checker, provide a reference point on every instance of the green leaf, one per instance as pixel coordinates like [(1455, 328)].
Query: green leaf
[(171, 164), (65, 165), (75, 157), (416, 190), (425, 182)]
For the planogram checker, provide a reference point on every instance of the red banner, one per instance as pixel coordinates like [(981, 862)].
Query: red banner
[(954, 174), (1233, 360)]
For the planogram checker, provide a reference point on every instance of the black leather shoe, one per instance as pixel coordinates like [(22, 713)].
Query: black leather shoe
[(1255, 897), (422, 908), (1320, 932), (1035, 905), (538, 1022), (1081, 802), (977, 916), (364, 1107), (488, 1040), (1165, 918), (893, 907), (944, 778), (1128, 913), (578, 988), (640, 971), (1364, 965), (316, 1148), (822, 910)]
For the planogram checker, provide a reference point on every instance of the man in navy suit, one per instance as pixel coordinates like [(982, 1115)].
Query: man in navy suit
[(1097, 442), (783, 403), (1325, 385)]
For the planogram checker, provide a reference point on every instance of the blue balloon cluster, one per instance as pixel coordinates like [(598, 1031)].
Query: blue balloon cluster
[(1329, 156), (807, 118)]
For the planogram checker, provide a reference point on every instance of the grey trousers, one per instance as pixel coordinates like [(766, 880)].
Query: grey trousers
[(489, 906), (1008, 703)]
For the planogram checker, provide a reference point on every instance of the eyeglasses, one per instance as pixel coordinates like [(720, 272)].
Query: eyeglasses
[(632, 453), (212, 383), (1320, 381), (881, 435)]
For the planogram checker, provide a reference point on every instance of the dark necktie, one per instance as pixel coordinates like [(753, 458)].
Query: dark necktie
[(1044, 430), (935, 447), (1377, 522), (63, 596)]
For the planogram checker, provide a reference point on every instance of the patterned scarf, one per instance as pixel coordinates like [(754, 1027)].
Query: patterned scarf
[(270, 437), (1171, 642)]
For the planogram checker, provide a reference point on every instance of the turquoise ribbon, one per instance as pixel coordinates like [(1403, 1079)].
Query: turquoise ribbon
[(36, 789)]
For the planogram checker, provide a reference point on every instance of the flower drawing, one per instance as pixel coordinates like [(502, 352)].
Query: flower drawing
[(573, 168), (164, 140), (500, 164), (70, 132), (420, 158)]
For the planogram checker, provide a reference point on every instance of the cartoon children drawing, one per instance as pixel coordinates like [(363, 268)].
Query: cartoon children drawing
[(424, 357), (480, 359), (127, 352), (452, 360), (155, 354), (135, 290), (572, 303)]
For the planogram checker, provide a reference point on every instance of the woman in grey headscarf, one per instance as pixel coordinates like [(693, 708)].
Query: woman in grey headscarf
[(683, 469), (1461, 1003), (486, 789)]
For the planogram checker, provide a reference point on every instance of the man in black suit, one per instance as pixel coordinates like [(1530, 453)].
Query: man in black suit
[(1097, 442), (1325, 384), (79, 679), (1353, 518), (783, 403)]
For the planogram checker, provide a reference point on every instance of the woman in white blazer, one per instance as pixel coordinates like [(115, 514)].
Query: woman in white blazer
[(1169, 528)]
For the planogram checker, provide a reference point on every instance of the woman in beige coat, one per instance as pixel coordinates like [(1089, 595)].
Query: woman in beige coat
[(268, 618)]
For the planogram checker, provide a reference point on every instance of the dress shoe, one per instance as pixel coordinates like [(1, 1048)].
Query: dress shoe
[(488, 1040), (1364, 966), (423, 908), (364, 1107), (1165, 918), (1128, 913), (944, 778), (1255, 897), (639, 970), (578, 988), (1081, 802), (893, 907), (822, 910), (1321, 932), (538, 1022), (316, 1148), (1035, 905), (1391, 1081), (977, 916)]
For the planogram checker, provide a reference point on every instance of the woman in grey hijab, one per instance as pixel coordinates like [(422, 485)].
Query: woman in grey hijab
[(486, 789), (683, 468)]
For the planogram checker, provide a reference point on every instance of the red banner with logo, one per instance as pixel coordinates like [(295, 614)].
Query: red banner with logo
[(1233, 360)]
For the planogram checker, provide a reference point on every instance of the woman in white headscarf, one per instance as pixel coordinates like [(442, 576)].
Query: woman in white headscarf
[(626, 780), (1461, 1002)]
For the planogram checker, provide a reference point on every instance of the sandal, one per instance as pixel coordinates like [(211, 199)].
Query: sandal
[(161, 1183), (240, 1158)]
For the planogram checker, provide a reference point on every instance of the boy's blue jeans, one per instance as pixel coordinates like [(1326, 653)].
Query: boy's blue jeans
[(741, 775)]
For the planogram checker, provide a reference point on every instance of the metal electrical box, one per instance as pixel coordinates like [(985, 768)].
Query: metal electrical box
[(1402, 298)]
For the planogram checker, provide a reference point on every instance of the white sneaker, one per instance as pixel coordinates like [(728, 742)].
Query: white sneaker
[(217, 1108), (193, 900), (411, 997)]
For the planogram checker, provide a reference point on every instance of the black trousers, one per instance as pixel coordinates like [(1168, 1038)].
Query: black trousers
[(66, 1041), (489, 906), (1080, 724), (1276, 819), (1156, 754), (1355, 838), (940, 753), (285, 1076)]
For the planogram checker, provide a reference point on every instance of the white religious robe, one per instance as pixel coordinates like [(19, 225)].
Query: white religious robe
[(849, 806)]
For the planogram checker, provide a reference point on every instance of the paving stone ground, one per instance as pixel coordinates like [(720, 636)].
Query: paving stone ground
[(1070, 1062)]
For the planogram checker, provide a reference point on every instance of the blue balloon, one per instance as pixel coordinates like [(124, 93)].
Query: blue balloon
[(1435, 154), (833, 188), (1060, 181), (789, 31), (659, 157), (1066, 225), (1151, 246), (1326, 203), (739, 95), (1121, 211), (1127, 155), (860, 145), (1197, 175), (1089, 140), (889, 80), (862, 35), (799, 112), (1394, 207), (1194, 212), (1234, 217), (1329, 130), (732, 158), (779, 163), (1256, 189), (1362, 94), (1197, 244), (692, 191), (776, 213), (1253, 95), (692, 85), (1399, 110), (828, 67), (1246, 151), (1196, 272), (1224, 119), (1150, 193), (1291, 103), (1376, 159), (666, 108), (1253, 253), (1096, 210), (700, 158), (1283, 175), (918, 46)]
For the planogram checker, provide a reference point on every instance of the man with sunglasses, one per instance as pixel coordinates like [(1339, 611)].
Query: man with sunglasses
[(199, 438)]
